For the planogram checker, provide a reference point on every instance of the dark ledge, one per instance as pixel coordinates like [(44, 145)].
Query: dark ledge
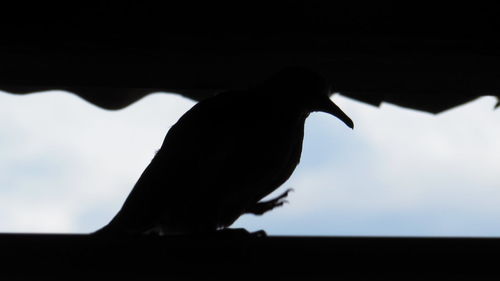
[(83, 257)]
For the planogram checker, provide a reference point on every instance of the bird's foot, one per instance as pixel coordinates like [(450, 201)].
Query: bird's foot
[(265, 206), (238, 233), (259, 234)]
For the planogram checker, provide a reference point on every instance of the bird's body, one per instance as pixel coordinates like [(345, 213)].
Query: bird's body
[(216, 163)]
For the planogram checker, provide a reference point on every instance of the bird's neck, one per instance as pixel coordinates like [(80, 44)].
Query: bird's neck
[(289, 112)]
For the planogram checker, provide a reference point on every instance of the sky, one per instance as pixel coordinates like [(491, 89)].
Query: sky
[(67, 167)]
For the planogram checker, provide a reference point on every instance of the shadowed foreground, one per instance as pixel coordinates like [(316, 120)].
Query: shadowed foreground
[(84, 257)]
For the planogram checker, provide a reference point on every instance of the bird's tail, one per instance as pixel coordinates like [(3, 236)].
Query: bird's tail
[(120, 225), (111, 229), (116, 227)]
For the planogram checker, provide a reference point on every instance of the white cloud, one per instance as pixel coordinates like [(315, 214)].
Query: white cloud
[(63, 158)]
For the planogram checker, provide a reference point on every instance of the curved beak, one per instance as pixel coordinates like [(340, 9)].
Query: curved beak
[(328, 106)]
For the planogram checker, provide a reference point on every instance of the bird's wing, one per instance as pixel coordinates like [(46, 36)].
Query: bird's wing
[(240, 159), (221, 147), (217, 154)]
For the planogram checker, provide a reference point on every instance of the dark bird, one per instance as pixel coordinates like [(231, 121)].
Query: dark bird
[(224, 155)]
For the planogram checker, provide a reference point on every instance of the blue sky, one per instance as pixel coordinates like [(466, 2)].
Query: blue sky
[(67, 167)]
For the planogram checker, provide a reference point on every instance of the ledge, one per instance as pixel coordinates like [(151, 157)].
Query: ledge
[(75, 257)]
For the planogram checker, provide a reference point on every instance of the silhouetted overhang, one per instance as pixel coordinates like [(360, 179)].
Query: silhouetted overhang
[(429, 58)]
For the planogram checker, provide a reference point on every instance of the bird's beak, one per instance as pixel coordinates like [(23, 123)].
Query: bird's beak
[(328, 106), (498, 104)]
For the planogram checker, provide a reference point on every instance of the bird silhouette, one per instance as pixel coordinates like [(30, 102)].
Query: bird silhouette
[(224, 155)]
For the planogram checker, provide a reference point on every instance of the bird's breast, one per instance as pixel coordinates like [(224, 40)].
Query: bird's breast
[(275, 152)]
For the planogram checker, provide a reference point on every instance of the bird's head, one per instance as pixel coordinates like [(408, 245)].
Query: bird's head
[(306, 90)]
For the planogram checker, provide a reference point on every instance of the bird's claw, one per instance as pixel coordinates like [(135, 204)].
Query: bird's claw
[(237, 233), (284, 194), (266, 206)]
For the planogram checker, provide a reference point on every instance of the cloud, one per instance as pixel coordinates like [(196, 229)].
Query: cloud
[(63, 158), (400, 172)]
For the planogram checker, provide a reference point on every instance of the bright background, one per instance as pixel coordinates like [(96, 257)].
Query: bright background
[(67, 166)]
